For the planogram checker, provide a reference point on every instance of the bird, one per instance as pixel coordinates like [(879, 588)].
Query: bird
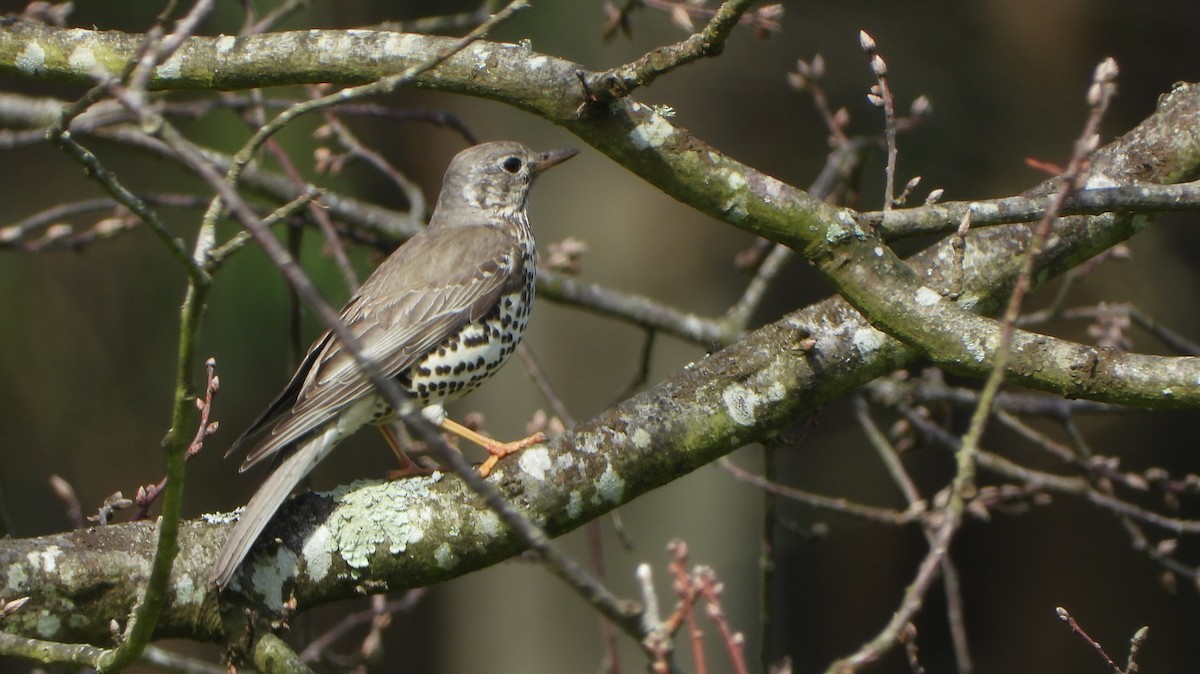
[(439, 316)]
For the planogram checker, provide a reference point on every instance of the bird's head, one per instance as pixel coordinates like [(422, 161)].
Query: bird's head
[(494, 178)]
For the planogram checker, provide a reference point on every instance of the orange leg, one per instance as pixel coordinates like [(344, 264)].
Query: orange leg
[(407, 465), (497, 450)]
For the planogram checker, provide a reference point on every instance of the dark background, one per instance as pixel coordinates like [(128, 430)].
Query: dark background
[(88, 339)]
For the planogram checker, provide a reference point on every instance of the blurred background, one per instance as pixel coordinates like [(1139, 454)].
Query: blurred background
[(88, 338)]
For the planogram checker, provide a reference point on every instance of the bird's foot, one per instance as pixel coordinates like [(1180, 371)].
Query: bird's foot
[(499, 450)]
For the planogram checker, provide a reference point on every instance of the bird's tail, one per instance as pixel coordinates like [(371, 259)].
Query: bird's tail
[(267, 499)]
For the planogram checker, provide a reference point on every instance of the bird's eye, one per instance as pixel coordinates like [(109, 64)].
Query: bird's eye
[(512, 164)]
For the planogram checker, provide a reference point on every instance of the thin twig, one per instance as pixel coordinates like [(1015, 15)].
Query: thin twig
[(1102, 90), (1066, 617), (323, 642), (944, 217), (881, 95), (910, 604), (840, 505), (954, 603), (623, 80)]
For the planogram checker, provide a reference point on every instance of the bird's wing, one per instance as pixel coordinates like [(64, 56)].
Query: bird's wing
[(403, 311)]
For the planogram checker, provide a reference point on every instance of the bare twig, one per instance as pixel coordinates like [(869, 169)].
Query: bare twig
[(323, 642), (1102, 90), (954, 603), (839, 505), (881, 96), (944, 217), (146, 496), (621, 81), (1066, 617), (910, 604)]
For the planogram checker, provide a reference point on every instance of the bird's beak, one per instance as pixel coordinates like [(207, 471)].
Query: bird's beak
[(551, 158)]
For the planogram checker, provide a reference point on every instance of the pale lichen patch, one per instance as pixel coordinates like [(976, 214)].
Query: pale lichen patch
[(82, 59), (589, 443), (48, 624), (834, 232), (867, 339), (222, 518), (488, 524), (927, 297), (46, 560), (171, 68), (363, 525), (188, 591), (564, 462), (575, 505), (654, 132), (974, 347), (315, 552), (32, 59), (16, 577), (740, 404), (535, 461), (363, 521), (641, 439), (610, 486), (268, 577), (445, 557)]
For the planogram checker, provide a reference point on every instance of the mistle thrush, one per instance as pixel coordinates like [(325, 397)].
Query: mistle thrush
[(440, 315)]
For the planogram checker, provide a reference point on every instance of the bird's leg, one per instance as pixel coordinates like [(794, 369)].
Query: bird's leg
[(496, 449), (407, 465)]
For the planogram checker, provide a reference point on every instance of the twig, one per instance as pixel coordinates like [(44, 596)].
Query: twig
[(443, 22), (1066, 617), (1135, 645), (320, 216), (621, 81), (735, 642), (644, 361), (323, 642), (887, 391), (840, 505), (910, 604), (285, 9), (954, 603), (1035, 480), (881, 96), (163, 660), (1177, 342), (146, 496), (538, 375), (887, 453), (412, 193), (218, 256), (1102, 90), (764, 20), (944, 217), (108, 180), (608, 635), (807, 78), (144, 617), (636, 309)]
